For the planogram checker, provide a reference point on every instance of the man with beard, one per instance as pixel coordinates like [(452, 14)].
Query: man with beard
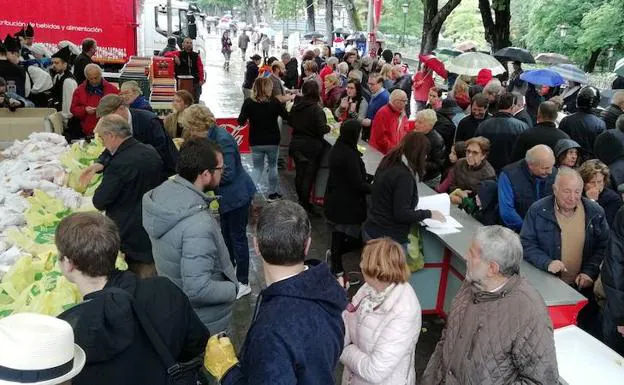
[(478, 113), (188, 62), (187, 243), (64, 83), (498, 328)]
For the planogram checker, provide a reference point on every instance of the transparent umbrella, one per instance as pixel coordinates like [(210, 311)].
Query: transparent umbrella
[(470, 63)]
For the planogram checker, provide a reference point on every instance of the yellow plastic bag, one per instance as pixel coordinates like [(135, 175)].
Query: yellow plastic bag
[(415, 255)]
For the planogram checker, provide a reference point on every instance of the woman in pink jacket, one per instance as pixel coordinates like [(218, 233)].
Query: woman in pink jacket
[(383, 320)]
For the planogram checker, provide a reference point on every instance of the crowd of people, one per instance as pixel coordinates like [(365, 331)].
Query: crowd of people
[(545, 194)]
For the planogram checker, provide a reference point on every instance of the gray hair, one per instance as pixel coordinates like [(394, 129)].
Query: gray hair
[(131, 85), (285, 56), (568, 172), (92, 66), (108, 105), (537, 154), (343, 68), (115, 125), (502, 246), (426, 116), (356, 74), (332, 61), (493, 87), (618, 98), (367, 63)]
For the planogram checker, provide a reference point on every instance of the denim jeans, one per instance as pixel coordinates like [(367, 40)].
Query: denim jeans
[(234, 230), (258, 154)]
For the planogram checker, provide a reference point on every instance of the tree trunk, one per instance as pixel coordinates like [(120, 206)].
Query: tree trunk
[(497, 27), (310, 16), (354, 17), (249, 12), (591, 64), (329, 19), (432, 22)]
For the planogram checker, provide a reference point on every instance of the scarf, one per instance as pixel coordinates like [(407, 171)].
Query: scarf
[(373, 299), (95, 90)]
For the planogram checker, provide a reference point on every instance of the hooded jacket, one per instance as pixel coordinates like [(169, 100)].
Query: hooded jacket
[(118, 351), (308, 119), (541, 236), (583, 127), (189, 249), (563, 145), (610, 115), (613, 284), (297, 333), (609, 148), (499, 338)]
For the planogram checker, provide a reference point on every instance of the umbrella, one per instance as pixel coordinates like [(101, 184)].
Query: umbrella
[(470, 63), (466, 45), (619, 67), (515, 54), (267, 31), (358, 36), (434, 63), (313, 35), (544, 77), (571, 72), (340, 31), (552, 58), (448, 52)]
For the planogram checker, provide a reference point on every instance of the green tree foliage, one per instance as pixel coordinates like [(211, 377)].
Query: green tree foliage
[(603, 27), (465, 23), (392, 17), (287, 9)]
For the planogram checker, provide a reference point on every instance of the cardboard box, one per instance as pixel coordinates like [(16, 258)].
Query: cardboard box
[(21, 123)]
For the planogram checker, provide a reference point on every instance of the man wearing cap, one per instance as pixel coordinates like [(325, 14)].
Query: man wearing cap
[(251, 73), (14, 75), (64, 83), (39, 349)]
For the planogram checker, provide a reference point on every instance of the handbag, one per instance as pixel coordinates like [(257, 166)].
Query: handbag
[(178, 373)]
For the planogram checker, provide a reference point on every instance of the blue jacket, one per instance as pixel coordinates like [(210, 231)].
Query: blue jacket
[(541, 236), (236, 188), (376, 102), (141, 103), (297, 332), (518, 190)]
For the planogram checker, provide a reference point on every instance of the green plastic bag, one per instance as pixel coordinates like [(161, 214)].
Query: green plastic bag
[(415, 255)]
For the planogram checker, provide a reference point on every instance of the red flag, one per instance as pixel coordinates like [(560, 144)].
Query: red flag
[(378, 5)]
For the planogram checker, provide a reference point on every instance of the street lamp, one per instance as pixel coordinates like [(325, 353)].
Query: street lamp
[(563, 30), (405, 8), (609, 56)]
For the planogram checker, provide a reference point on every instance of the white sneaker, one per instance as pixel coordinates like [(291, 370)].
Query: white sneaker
[(243, 290)]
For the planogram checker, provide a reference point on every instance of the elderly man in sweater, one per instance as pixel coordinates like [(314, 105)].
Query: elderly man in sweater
[(498, 330), (379, 98), (390, 123)]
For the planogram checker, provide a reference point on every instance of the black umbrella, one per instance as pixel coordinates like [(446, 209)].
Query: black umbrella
[(515, 54), (313, 35)]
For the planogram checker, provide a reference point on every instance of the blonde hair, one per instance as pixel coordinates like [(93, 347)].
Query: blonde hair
[(384, 259), (196, 120), (343, 68), (460, 87), (262, 90), (592, 167), (386, 69), (333, 78), (427, 116)]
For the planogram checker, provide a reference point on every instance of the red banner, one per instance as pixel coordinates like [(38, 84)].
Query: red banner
[(378, 5), (112, 23), (240, 133)]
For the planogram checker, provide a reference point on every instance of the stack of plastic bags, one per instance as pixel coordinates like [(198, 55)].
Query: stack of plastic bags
[(80, 156)]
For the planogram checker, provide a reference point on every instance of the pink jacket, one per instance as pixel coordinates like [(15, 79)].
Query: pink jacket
[(380, 346)]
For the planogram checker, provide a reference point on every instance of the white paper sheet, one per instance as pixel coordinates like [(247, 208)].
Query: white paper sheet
[(450, 223), (438, 202), (442, 230)]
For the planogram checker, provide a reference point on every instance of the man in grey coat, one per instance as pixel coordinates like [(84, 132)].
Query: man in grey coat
[(187, 244)]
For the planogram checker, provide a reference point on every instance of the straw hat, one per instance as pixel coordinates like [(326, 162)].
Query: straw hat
[(38, 350)]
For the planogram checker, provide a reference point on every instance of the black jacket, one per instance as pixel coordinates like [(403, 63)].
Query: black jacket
[(133, 170), (467, 128), (583, 127), (79, 65), (611, 202), (308, 119), (291, 75), (613, 284), (609, 148), (446, 128), (502, 130), (263, 127), (610, 115), (148, 128), (15, 74), (394, 199), (436, 157), (250, 75), (345, 197), (189, 65), (404, 83), (117, 349), (524, 116), (544, 133)]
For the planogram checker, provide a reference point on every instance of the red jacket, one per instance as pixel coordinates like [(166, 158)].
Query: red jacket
[(83, 99), (389, 127), (200, 65), (421, 93)]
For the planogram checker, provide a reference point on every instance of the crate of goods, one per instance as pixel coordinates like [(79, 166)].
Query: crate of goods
[(162, 67)]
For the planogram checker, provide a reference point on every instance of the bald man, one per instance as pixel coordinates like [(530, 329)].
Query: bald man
[(390, 123), (565, 233), (524, 182)]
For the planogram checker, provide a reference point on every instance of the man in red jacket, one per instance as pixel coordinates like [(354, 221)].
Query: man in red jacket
[(390, 123), (87, 97)]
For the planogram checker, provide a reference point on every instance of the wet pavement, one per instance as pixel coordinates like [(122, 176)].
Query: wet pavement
[(223, 95)]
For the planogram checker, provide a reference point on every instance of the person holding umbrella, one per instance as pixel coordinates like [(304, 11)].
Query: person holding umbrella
[(422, 83), (515, 83)]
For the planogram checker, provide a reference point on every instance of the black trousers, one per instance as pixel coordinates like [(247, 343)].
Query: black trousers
[(307, 153), (341, 244)]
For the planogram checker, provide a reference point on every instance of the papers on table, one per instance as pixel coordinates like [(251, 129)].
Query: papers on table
[(441, 203)]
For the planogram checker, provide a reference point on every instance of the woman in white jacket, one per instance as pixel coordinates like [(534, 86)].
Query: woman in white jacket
[(382, 321)]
